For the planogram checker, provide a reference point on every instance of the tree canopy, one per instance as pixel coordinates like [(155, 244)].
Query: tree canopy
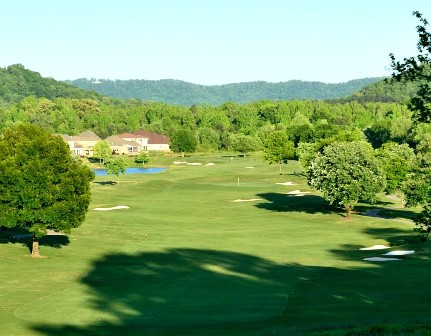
[(41, 186), (347, 172), (183, 140), (116, 166), (278, 149), (418, 69), (102, 151)]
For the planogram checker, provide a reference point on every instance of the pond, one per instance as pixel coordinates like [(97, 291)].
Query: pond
[(102, 172)]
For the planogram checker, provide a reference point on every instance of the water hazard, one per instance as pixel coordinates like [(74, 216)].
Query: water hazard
[(102, 172)]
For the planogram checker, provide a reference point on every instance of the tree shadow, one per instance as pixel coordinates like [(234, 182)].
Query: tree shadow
[(379, 211), (311, 204), (394, 236), (105, 182), (24, 237), (55, 241), (208, 292)]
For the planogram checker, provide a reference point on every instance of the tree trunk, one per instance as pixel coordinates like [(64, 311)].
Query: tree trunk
[(35, 247), (348, 211), (279, 164)]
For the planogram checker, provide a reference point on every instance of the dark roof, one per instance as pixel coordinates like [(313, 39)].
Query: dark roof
[(153, 138)]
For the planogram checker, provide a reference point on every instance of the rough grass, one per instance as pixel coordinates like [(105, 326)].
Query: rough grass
[(184, 259)]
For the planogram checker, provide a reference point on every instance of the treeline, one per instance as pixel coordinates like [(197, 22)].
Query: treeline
[(216, 127), (182, 93)]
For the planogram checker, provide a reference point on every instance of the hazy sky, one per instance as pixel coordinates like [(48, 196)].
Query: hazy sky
[(209, 41)]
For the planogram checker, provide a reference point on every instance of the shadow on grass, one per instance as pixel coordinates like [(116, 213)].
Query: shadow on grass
[(23, 237), (208, 292), (395, 237), (282, 202), (104, 182)]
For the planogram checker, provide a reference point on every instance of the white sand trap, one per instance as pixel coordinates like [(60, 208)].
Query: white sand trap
[(194, 164), (246, 200), (180, 162), (54, 233), (380, 259), (113, 208), (249, 167), (285, 183), (398, 253), (375, 247), (210, 164)]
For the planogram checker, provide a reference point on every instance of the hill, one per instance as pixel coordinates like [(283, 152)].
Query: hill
[(384, 91), (183, 93), (17, 82)]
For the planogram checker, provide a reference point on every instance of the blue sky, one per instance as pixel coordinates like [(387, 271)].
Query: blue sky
[(209, 41)]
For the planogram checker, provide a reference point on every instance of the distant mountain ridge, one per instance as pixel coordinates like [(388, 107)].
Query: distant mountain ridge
[(183, 93)]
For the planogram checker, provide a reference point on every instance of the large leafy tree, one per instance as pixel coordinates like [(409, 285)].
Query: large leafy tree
[(245, 143), (346, 173), (397, 161), (41, 186), (278, 148), (183, 140), (418, 69)]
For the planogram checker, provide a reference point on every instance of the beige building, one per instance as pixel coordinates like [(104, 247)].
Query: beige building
[(152, 141), (122, 146), (82, 144)]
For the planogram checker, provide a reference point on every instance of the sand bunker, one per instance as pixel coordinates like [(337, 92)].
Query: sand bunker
[(180, 162), (375, 247), (398, 253), (286, 183), (380, 259), (113, 208), (298, 193), (210, 164), (194, 164), (249, 167), (247, 200)]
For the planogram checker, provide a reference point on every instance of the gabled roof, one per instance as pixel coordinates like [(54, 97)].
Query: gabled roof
[(153, 138), (90, 135), (115, 140), (130, 136)]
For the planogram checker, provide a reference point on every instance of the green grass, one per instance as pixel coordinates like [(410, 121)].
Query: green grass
[(185, 259)]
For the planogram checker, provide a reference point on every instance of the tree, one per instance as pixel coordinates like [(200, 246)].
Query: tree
[(41, 186), (183, 140), (116, 166), (397, 161), (245, 143), (417, 69), (102, 151), (142, 157), (278, 148), (346, 173)]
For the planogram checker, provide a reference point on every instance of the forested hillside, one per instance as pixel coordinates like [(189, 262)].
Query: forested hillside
[(183, 93), (60, 108), (383, 91), (17, 82)]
